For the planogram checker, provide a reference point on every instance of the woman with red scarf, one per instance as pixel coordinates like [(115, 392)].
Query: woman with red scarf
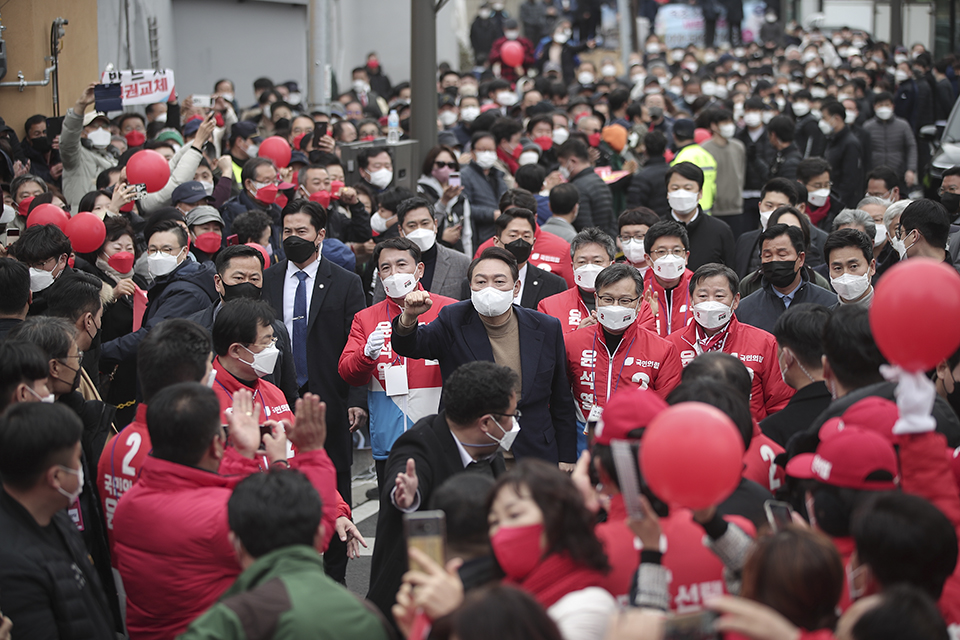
[(542, 536)]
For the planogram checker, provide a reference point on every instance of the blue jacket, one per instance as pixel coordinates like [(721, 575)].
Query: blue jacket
[(457, 336), (183, 292)]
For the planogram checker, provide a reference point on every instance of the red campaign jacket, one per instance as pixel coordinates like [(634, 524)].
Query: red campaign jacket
[(642, 360), (757, 349), (273, 404), (550, 253), (622, 549), (568, 308), (171, 543), (758, 461), (119, 466), (679, 314)]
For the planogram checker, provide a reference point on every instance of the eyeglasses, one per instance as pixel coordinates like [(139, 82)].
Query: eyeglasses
[(623, 302), (639, 237), (676, 251), (820, 185), (272, 342), (440, 165), (900, 232), (516, 414)]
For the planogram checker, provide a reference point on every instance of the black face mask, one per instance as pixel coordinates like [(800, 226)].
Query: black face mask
[(779, 273), (41, 144), (520, 249), (405, 124), (951, 201), (282, 123), (298, 250), (246, 290)]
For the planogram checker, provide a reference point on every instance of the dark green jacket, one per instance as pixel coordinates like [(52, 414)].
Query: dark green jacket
[(285, 595)]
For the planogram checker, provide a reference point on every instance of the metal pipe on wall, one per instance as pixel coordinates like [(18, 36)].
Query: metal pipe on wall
[(423, 76), (319, 36)]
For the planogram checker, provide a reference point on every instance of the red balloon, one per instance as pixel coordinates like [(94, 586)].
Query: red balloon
[(150, 168), (86, 232), (692, 455), (512, 53), (914, 312), (48, 214), (277, 149)]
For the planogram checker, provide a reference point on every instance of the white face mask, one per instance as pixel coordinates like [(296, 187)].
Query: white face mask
[(634, 252), (850, 117), (506, 98), (561, 38), (712, 314), (381, 178), (511, 35), (40, 279), (728, 130), (47, 399), (360, 86), (899, 246), (72, 496), (160, 263), (884, 113), (252, 150), (9, 213), (469, 114), (765, 218), (560, 135), (683, 201), (901, 76), (264, 362), (448, 118), (709, 88), (849, 286), (486, 159), (669, 267), (378, 223), (825, 127), (585, 77), (801, 109), (162, 117), (816, 113), (615, 317), (399, 284), (819, 197), (99, 138), (608, 71), (528, 157), (879, 236), (227, 96), (752, 119), (506, 442), (423, 238), (492, 302), (586, 276)]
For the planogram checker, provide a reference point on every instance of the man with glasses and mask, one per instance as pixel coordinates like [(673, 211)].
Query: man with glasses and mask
[(44, 248), (260, 186), (714, 291), (400, 391), (240, 275), (181, 288), (44, 564), (617, 353)]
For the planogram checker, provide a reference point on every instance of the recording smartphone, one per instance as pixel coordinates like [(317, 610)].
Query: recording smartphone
[(54, 127), (625, 460), (12, 234), (426, 531), (779, 514), (319, 130), (108, 97), (139, 191), (202, 100), (454, 179), (691, 626)]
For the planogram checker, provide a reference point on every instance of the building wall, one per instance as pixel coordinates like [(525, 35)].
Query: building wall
[(28, 42)]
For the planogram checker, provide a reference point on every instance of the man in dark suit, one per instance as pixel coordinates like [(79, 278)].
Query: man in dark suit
[(776, 193), (480, 418), (317, 301), (444, 270), (240, 275), (798, 332), (15, 283), (488, 327), (516, 232)]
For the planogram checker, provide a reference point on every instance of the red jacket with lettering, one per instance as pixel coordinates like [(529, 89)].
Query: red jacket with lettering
[(120, 464), (568, 307), (757, 349), (391, 416), (642, 360), (550, 253), (758, 461), (677, 315), (171, 544), (273, 404)]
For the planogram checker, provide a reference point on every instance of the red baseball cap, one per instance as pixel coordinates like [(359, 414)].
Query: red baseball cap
[(626, 411), (848, 459), (873, 413)]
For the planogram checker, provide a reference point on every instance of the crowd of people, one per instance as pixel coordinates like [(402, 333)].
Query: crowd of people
[(180, 406)]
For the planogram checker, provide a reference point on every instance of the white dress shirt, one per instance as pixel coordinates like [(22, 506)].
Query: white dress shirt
[(291, 282), (523, 276)]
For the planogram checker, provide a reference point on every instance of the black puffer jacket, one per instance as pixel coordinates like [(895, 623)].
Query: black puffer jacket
[(648, 189), (50, 587)]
